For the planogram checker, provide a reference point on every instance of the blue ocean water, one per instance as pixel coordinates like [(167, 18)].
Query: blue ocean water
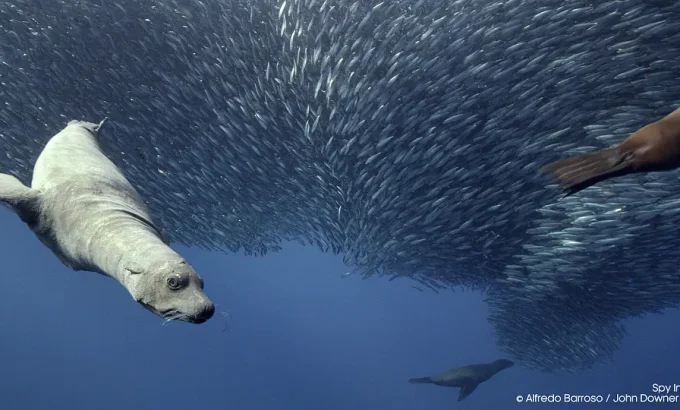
[(298, 336), (290, 332)]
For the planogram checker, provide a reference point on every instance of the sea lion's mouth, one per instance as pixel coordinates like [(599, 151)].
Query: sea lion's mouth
[(185, 317), (174, 314), (165, 314), (150, 308)]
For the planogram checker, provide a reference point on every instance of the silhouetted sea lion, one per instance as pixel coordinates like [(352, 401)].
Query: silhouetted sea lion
[(82, 207), (466, 377), (654, 147)]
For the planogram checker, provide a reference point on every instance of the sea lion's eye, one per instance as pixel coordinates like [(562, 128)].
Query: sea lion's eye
[(174, 282)]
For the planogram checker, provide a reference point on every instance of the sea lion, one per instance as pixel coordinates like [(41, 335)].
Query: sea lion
[(466, 377), (82, 207), (654, 147)]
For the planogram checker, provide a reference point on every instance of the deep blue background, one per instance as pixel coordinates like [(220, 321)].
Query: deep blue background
[(299, 337)]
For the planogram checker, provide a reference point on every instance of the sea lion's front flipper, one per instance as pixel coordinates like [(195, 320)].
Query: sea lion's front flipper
[(23, 200), (466, 390), (579, 172)]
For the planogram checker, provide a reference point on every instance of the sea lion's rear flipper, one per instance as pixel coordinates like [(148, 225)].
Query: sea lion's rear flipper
[(420, 380), (579, 172), (466, 390), (90, 126), (23, 200)]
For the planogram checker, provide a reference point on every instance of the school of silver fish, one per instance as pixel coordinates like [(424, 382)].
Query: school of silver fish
[(406, 135)]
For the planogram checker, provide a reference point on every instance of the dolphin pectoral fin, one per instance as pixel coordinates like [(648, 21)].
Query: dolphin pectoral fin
[(466, 390), (23, 200)]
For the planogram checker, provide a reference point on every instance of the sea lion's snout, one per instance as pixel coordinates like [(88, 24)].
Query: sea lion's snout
[(201, 313), (505, 363), (192, 306), (174, 292), (205, 314)]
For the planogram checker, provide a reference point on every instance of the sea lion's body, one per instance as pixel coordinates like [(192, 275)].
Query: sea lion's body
[(466, 377), (82, 207), (654, 147)]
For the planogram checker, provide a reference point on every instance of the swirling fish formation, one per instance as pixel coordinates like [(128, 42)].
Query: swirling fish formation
[(406, 135)]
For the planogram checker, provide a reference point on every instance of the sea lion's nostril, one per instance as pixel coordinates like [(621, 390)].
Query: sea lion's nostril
[(204, 314), (208, 311)]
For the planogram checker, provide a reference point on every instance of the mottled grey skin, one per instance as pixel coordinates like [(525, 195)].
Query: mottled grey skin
[(83, 208), (466, 377)]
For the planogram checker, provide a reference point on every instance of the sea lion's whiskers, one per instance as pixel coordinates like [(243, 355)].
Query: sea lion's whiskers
[(226, 316), (171, 317)]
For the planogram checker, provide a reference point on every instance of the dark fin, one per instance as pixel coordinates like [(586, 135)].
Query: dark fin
[(577, 173), (466, 390), (420, 380)]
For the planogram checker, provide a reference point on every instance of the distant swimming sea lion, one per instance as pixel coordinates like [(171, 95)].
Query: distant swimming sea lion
[(654, 147), (82, 207), (466, 377)]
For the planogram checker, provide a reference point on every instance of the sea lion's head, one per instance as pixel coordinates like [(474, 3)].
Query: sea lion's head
[(503, 364), (171, 290)]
